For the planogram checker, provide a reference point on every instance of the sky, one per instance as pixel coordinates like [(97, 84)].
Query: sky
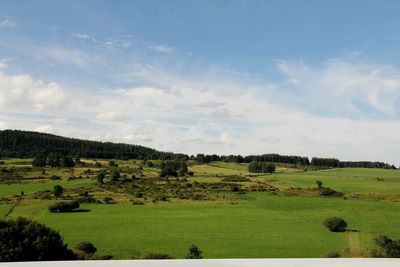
[(310, 78)]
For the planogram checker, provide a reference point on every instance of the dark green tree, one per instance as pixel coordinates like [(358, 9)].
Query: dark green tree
[(335, 224), (26, 240), (58, 190), (68, 162), (64, 206), (54, 160), (39, 161)]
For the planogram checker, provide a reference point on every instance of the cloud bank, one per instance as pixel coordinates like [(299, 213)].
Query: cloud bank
[(223, 115)]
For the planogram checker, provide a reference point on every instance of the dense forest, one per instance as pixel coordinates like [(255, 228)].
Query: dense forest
[(26, 144)]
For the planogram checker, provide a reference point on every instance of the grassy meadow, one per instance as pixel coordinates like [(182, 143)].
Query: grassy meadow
[(248, 224)]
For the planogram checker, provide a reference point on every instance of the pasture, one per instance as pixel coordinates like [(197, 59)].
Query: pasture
[(246, 224)]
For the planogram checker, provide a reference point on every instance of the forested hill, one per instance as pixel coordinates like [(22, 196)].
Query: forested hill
[(23, 144), (27, 144)]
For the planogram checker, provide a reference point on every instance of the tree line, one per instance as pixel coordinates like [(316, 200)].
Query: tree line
[(26, 144)]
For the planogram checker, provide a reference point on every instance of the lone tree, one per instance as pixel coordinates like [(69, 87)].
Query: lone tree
[(194, 253), (85, 250), (319, 184), (335, 224), (58, 190), (26, 240)]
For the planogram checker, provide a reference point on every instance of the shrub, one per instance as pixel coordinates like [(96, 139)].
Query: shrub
[(63, 206), (85, 249), (235, 178), (157, 256), (109, 200), (150, 164), (326, 191), (58, 190), (115, 176), (100, 177), (194, 253), (333, 254), (335, 224), (26, 240), (55, 177), (235, 188), (388, 248)]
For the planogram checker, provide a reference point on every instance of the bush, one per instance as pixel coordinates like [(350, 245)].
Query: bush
[(26, 240), (64, 206), (235, 188), (109, 200), (58, 190), (85, 249), (115, 176), (333, 254), (157, 256), (235, 178), (100, 177), (55, 177), (335, 224), (194, 253), (388, 248), (328, 192)]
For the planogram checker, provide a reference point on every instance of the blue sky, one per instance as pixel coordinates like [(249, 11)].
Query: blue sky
[(315, 78)]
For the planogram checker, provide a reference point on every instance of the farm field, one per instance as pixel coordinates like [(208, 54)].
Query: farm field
[(271, 216)]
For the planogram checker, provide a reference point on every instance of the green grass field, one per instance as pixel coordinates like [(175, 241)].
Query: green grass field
[(344, 180), (249, 225), (7, 190), (259, 225)]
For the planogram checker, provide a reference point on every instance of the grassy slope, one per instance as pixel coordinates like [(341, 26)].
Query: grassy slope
[(260, 225), (344, 180), (7, 190)]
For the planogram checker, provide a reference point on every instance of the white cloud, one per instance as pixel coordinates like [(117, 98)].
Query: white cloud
[(218, 115), (22, 93), (161, 48), (346, 86), (78, 35), (7, 23), (107, 116)]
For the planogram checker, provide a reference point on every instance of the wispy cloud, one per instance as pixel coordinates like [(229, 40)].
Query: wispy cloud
[(161, 48), (346, 86), (107, 42), (7, 23), (70, 56)]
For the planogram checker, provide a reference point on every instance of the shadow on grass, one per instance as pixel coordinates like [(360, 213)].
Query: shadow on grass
[(352, 230)]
